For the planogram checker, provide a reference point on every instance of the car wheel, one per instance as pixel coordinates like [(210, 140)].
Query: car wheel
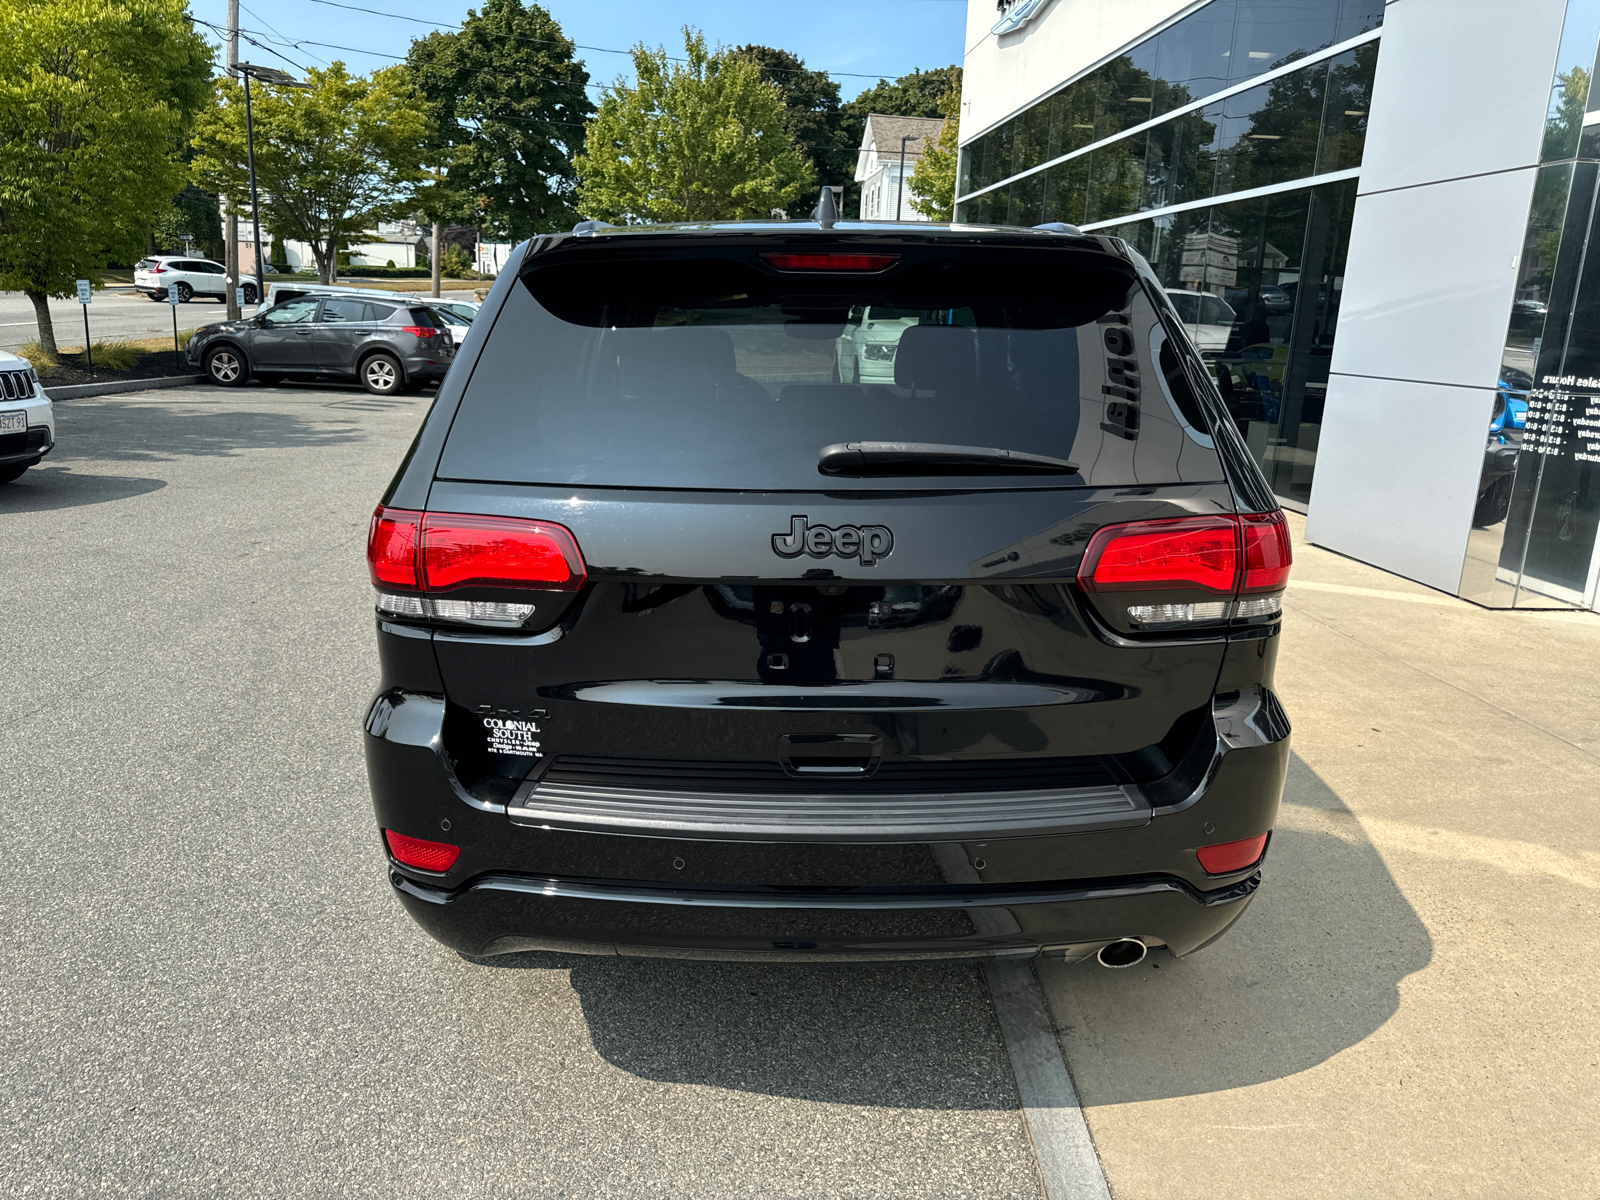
[(381, 375), (225, 366), (249, 293), (7, 474), (158, 297), (185, 293), (1494, 504)]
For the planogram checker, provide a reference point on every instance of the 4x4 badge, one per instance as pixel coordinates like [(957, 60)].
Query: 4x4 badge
[(869, 543)]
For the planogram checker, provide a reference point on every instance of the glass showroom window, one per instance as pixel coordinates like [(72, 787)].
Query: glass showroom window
[(1257, 283), (1302, 124), (1214, 48), (1537, 513)]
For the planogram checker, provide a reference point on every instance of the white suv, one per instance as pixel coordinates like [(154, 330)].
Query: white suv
[(27, 421), (189, 277)]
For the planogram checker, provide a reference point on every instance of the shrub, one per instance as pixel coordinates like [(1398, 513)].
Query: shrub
[(116, 356), (455, 263), (390, 263), (43, 365)]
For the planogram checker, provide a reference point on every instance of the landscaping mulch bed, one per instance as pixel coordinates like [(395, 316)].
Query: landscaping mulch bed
[(152, 364)]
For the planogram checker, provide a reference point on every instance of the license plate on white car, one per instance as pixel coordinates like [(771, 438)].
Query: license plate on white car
[(13, 422)]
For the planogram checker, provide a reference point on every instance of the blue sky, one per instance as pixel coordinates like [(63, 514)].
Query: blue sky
[(852, 38)]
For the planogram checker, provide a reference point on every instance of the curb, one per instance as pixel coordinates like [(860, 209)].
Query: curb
[(76, 391)]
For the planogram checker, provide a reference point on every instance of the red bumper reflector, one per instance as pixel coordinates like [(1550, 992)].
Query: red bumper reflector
[(421, 854), (1227, 857), (831, 262), (438, 552)]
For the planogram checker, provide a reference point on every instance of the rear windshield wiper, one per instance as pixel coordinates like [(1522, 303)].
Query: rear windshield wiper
[(933, 458)]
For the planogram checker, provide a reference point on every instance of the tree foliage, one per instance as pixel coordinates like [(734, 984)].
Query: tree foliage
[(816, 118), (933, 182), (705, 140), (94, 96), (331, 158), (508, 106), (193, 214)]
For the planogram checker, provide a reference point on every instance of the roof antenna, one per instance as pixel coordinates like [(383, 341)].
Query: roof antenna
[(827, 211)]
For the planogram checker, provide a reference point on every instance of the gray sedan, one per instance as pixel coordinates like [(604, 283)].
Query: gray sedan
[(386, 344)]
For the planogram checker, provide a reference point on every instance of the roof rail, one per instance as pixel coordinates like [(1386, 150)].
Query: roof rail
[(592, 226), (1058, 227)]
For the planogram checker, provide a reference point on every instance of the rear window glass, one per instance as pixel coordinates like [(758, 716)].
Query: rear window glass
[(377, 312), (419, 316), (710, 373), (144, 264)]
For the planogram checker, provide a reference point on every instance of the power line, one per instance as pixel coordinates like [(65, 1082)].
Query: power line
[(564, 42)]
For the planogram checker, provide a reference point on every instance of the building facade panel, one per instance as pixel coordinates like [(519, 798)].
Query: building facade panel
[(1403, 462), (1462, 89)]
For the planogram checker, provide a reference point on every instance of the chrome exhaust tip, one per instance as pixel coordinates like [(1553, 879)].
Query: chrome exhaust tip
[(1124, 952)]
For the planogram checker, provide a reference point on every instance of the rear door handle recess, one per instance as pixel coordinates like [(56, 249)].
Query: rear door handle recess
[(830, 753)]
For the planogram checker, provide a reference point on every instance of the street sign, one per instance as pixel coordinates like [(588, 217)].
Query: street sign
[(85, 292), (238, 296), (172, 299)]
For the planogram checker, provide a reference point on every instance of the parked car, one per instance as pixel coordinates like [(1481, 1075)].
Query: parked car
[(688, 651), (454, 316), (27, 418), (872, 335), (1209, 319), (389, 346), (284, 290), (189, 277)]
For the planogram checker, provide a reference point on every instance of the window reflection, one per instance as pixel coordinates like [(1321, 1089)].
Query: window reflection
[(1221, 45), (1257, 284), (1302, 124)]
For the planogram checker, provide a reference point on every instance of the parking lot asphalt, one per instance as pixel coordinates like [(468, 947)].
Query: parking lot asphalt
[(206, 985)]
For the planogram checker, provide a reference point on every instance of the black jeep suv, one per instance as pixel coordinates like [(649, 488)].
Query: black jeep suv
[(692, 648)]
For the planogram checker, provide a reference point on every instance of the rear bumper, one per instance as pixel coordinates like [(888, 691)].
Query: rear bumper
[(931, 893), (500, 914)]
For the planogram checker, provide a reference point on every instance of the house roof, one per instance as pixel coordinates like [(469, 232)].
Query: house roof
[(885, 132)]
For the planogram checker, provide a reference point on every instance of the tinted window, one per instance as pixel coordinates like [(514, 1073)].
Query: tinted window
[(296, 312), (377, 312), (144, 264), (424, 318), (644, 374), (345, 311)]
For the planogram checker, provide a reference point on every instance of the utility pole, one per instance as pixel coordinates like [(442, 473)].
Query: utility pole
[(230, 222), (433, 258), (900, 191)]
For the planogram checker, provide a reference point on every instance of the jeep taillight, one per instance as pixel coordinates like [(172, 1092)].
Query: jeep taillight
[(1242, 561), (421, 331), (416, 557)]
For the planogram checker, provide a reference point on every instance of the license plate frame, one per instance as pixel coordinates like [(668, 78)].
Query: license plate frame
[(15, 421)]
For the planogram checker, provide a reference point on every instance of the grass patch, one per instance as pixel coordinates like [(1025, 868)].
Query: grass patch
[(115, 356), (43, 365)]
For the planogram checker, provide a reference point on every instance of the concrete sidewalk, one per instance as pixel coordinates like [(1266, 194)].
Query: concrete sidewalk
[(1408, 1007)]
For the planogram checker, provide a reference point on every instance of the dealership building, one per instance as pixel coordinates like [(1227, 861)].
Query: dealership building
[(1375, 219)]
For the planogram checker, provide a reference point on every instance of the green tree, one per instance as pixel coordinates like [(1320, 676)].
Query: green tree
[(94, 95), (933, 182), (508, 106), (1565, 120), (331, 158), (816, 120), (707, 140)]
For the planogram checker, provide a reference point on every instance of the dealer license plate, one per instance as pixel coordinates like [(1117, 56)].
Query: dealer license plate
[(13, 422)]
